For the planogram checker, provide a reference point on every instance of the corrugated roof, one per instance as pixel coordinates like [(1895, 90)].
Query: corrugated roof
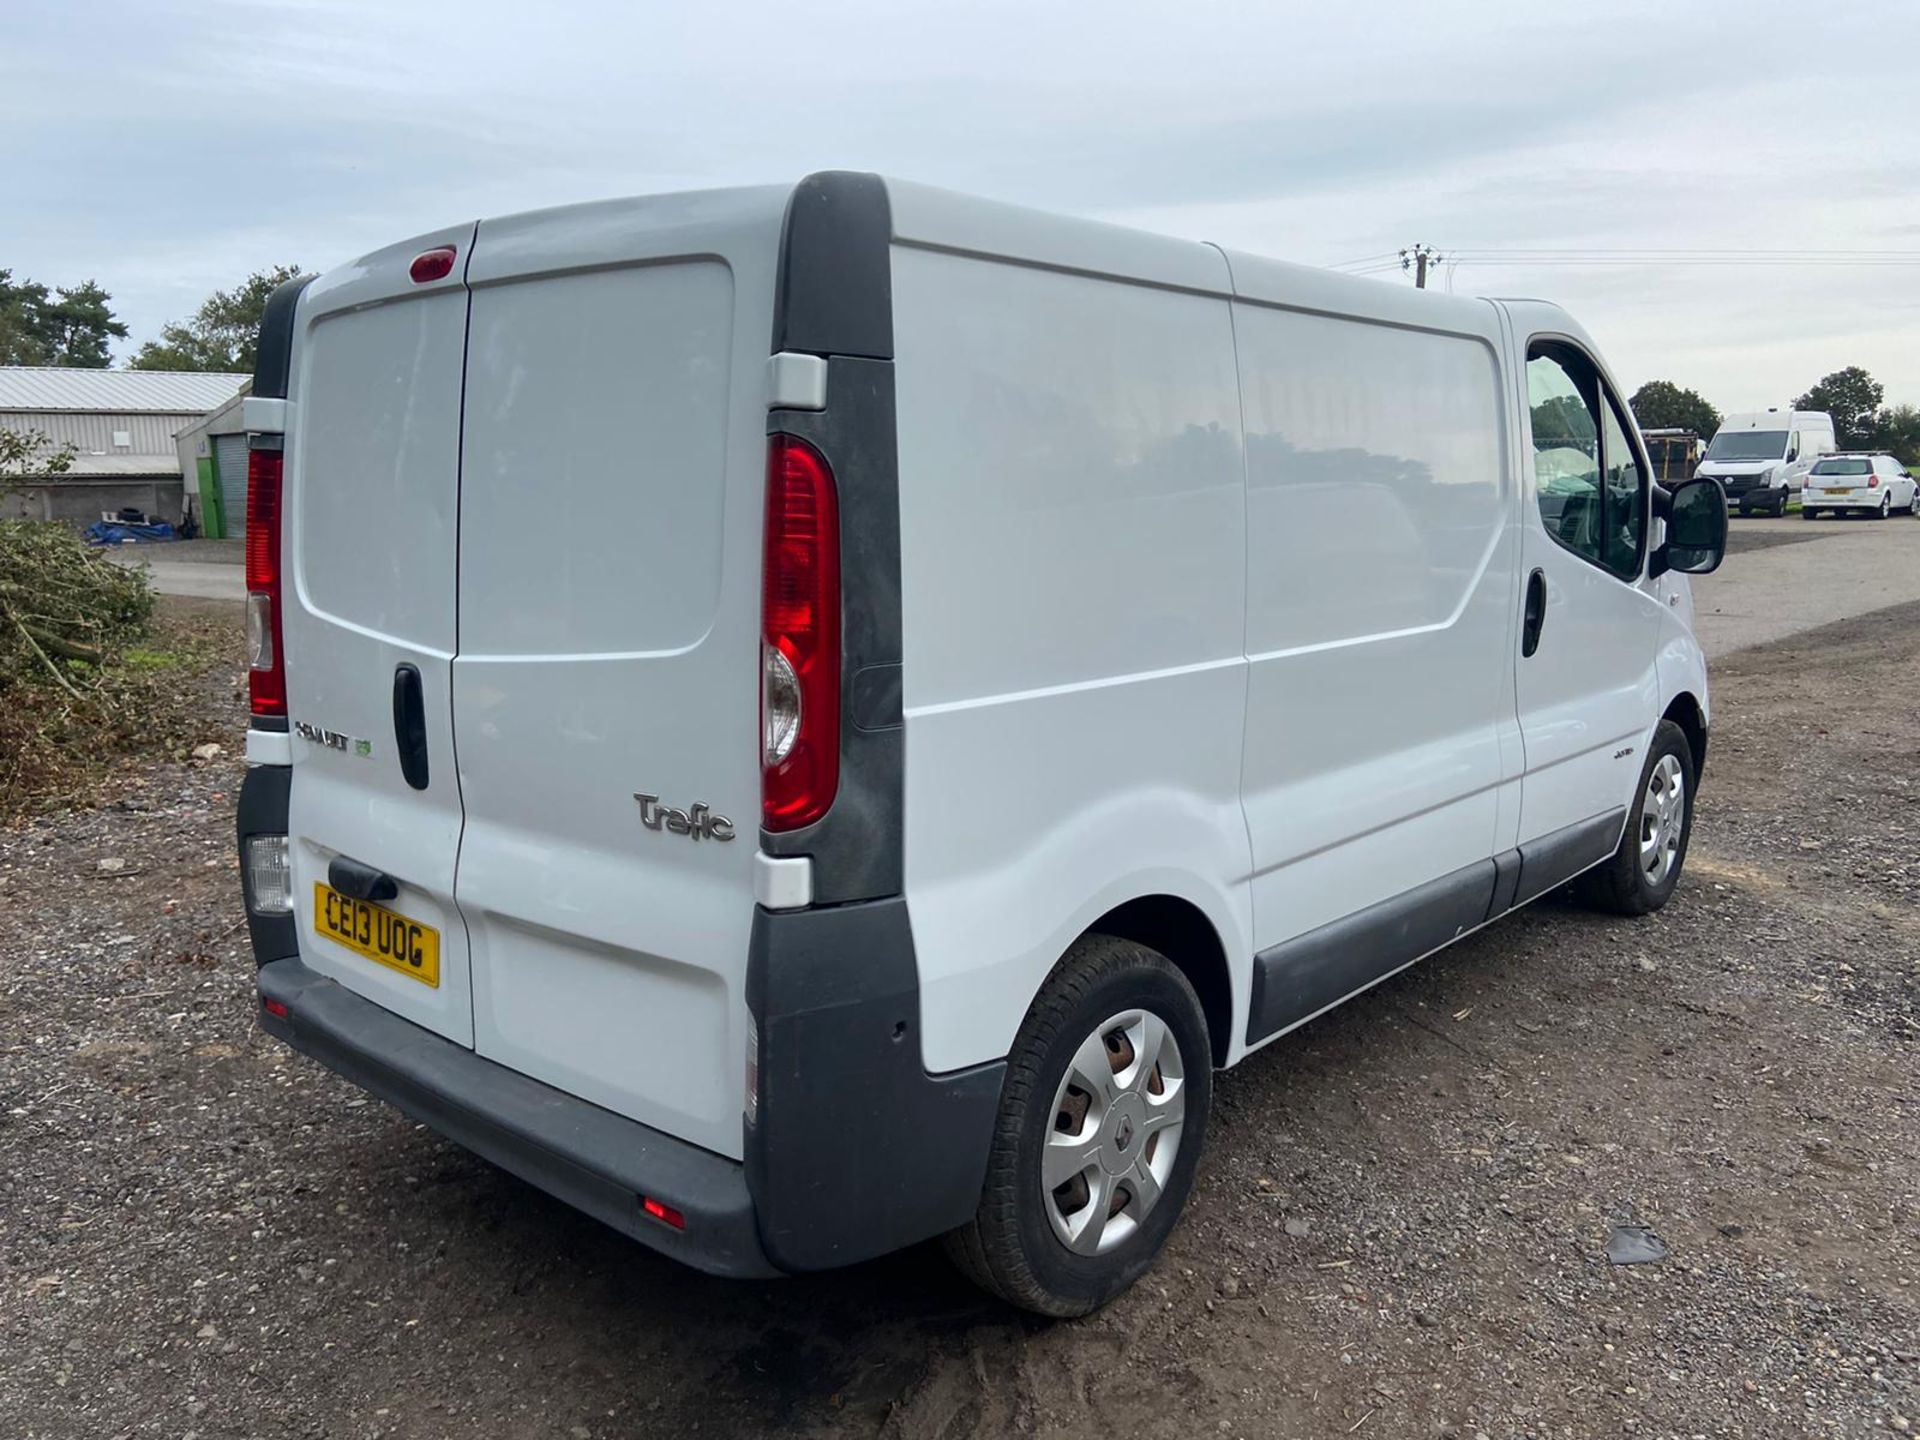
[(125, 392)]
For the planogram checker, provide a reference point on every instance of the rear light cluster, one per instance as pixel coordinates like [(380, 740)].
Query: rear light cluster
[(269, 875), (1873, 482), (799, 638), (266, 665)]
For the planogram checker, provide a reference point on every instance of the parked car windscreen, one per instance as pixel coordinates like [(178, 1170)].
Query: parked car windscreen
[(1859, 466), (1748, 445)]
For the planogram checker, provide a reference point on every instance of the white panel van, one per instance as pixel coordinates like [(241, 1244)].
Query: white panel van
[(807, 719), (1761, 459)]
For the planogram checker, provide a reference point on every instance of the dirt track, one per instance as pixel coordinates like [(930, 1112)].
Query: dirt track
[(1398, 1231)]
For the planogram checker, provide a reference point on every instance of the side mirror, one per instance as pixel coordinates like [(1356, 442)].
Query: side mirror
[(1696, 515)]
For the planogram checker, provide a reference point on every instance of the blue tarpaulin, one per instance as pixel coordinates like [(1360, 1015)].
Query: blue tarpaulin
[(109, 532)]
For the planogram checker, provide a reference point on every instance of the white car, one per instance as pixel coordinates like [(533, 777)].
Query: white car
[(1858, 482), (810, 718)]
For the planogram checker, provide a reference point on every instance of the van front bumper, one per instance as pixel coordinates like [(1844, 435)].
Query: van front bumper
[(593, 1159)]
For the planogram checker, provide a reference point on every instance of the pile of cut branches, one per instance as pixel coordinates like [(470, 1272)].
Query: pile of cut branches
[(76, 696), (65, 610)]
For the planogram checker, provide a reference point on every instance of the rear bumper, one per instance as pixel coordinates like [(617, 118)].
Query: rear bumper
[(594, 1160), (1847, 500)]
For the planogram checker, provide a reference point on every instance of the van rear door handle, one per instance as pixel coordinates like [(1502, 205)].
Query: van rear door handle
[(410, 725), (1536, 612)]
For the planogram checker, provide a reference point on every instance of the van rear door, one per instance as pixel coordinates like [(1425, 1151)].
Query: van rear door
[(606, 694), (372, 485)]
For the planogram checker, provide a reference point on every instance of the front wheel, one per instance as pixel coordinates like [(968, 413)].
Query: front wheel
[(1101, 1120), (1643, 872)]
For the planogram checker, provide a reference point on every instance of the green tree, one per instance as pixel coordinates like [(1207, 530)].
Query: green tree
[(1896, 429), (1663, 405), (68, 326), (1851, 396), (30, 453), (223, 332)]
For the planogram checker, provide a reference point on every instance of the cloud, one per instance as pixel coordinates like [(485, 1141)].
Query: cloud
[(169, 148)]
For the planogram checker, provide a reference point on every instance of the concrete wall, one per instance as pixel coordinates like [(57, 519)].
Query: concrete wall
[(80, 501)]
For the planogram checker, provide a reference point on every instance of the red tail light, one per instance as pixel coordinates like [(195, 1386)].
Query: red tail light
[(1873, 482), (266, 665), (799, 638)]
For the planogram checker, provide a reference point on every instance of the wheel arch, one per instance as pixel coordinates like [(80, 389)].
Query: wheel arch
[(1684, 710), (1180, 930)]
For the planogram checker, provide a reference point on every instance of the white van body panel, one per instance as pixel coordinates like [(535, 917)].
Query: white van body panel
[(370, 548), (1073, 578), (612, 478), (1382, 547)]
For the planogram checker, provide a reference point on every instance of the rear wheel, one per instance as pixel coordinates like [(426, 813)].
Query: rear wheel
[(1641, 876), (1886, 506), (1101, 1121), (1807, 512)]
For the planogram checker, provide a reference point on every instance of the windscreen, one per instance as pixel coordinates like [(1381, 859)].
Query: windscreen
[(1844, 467), (1748, 445)]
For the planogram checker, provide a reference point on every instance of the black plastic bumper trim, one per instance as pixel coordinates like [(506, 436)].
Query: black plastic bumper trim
[(857, 1150), (594, 1160), (264, 796)]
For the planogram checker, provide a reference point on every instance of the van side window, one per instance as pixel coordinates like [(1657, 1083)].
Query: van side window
[(1566, 455), (1624, 507), (1589, 483)]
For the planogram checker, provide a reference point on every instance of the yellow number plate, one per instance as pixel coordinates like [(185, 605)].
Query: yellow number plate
[(1837, 490), (384, 937)]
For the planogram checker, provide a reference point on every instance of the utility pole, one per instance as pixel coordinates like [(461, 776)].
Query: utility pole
[(1418, 258)]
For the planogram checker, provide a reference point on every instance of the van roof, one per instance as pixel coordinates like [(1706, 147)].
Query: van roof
[(933, 218)]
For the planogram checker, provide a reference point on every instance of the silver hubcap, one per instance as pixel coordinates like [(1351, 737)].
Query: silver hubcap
[(1663, 819), (1117, 1117)]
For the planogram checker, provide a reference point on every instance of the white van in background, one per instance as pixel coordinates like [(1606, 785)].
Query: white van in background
[(806, 719), (1761, 459)]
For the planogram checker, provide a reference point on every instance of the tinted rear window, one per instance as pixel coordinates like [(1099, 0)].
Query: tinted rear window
[(1844, 467)]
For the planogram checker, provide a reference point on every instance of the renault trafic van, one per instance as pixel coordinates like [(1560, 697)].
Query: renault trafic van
[(807, 719)]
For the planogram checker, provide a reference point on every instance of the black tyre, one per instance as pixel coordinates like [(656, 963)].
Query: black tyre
[(1101, 1122), (1643, 872), (1807, 512)]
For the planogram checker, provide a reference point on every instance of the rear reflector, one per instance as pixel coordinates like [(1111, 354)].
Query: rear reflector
[(431, 265), (273, 1008), (665, 1214), (266, 666), (799, 638)]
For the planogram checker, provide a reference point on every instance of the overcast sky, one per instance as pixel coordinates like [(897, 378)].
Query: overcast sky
[(169, 147)]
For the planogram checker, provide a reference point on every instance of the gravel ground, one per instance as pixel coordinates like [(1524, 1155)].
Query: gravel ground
[(1399, 1230)]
